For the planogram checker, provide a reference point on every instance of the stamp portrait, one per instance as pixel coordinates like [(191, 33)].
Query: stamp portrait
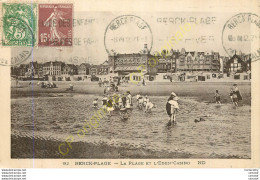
[(19, 24), (55, 25)]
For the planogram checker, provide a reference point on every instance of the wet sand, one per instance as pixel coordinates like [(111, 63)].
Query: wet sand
[(203, 91), (226, 132)]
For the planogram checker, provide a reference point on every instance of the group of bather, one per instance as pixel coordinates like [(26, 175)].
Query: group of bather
[(123, 102), (144, 102), (115, 102)]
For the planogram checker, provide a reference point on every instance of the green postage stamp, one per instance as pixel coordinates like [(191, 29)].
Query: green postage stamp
[(19, 24)]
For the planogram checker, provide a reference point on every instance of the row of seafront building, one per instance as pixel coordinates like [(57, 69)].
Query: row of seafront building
[(176, 62)]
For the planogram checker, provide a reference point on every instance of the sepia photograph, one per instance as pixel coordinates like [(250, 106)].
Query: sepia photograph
[(96, 84), (140, 86)]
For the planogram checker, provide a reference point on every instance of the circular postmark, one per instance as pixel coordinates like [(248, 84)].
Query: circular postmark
[(127, 34), (18, 54), (240, 35)]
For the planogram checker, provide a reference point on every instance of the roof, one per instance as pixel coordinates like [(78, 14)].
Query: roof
[(95, 66), (85, 64), (231, 60), (71, 65), (105, 63), (129, 55), (54, 63)]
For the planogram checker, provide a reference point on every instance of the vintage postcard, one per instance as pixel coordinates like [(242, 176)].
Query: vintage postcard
[(139, 84)]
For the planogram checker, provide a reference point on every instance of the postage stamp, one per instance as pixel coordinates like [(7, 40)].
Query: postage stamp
[(19, 24), (240, 34), (116, 40), (55, 24)]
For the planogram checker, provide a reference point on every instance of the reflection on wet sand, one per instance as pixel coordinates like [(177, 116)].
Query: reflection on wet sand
[(225, 133)]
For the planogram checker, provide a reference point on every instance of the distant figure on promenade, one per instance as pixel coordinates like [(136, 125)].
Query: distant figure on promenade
[(17, 83), (71, 87), (100, 82), (68, 89), (171, 108), (217, 97), (144, 82), (118, 82)]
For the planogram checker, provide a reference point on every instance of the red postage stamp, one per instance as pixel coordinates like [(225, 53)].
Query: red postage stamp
[(55, 25)]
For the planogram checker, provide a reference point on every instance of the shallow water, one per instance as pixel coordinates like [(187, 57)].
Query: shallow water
[(225, 133)]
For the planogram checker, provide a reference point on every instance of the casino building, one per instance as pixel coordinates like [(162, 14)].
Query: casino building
[(124, 64), (173, 61)]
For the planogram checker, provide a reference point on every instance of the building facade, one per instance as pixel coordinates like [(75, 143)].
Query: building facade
[(104, 68), (70, 69), (35, 69), (23, 68), (239, 63), (84, 69), (166, 62), (124, 64), (53, 68), (197, 61)]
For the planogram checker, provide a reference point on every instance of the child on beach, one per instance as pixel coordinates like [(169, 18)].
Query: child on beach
[(140, 101), (145, 100), (172, 107), (217, 97), (235, 99), (104, 102), (120, 102), (95, 103), (137, 98), (149, 106), (231, 95), (110, 106), (124, 100)]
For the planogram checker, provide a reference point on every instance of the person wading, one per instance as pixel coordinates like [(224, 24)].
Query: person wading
[(171, 108)]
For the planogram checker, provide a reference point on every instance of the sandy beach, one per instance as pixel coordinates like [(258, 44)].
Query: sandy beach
[(203, 91), (225, 133)]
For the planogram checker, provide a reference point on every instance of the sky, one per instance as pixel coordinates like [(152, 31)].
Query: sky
[(93, 36)]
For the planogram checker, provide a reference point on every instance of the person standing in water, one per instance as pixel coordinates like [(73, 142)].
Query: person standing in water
[(172, 107), (231, 95), (129, 98), (217, 97), (237, 92)]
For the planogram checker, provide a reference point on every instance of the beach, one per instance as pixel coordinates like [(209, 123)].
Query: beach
[(38, 132)]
